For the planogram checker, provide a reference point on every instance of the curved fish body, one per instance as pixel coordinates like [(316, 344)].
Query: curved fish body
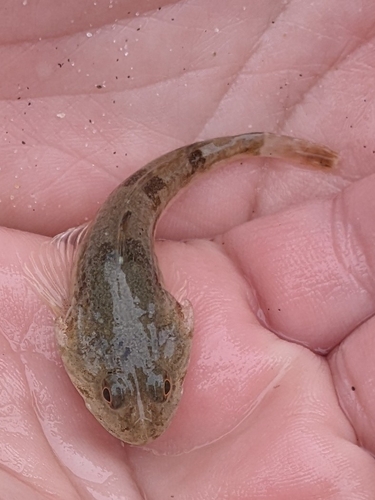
[(124, 340)]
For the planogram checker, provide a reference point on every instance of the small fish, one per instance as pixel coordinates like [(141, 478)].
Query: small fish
[(124, 340)]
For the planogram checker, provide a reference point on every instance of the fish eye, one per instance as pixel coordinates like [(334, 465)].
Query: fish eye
[(113, 392), (106, 394), (159, 388), (167, 388)]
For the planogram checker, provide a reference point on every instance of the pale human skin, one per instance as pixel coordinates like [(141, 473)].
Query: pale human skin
[(295, 246)]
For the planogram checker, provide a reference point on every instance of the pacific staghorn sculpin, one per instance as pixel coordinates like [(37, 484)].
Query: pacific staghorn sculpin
[(124, 340)]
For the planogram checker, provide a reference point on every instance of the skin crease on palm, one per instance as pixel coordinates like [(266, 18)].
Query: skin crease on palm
[(93, 91)]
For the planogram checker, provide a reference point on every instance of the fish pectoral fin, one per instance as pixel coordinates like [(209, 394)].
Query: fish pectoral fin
[(49, 269)]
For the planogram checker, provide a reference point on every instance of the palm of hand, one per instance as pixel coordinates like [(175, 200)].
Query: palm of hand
[(260, 415)]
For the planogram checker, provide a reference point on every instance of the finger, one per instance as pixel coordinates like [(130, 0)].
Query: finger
[(353, 372), (311, 268)]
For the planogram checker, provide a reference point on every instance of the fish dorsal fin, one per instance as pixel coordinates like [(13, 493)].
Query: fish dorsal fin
[(49, 269)]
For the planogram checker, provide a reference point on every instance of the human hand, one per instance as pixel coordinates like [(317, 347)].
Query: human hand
[(277, 246)]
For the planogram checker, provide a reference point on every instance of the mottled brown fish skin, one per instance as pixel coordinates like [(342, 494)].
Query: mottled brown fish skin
[(125, 341)]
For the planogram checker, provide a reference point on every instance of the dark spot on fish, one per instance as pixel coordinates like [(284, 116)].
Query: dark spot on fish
[(135, 177), (104, 253), (125, 355), (83, 275), (135, 251), (125, 219), (196, 159), (152, 188)]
